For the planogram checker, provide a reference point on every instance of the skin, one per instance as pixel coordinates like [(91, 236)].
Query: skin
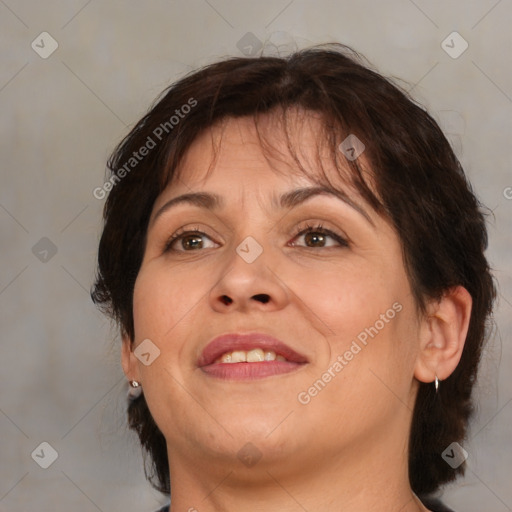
[(347, 448)]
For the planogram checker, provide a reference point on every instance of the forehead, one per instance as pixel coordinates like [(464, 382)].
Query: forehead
[(278, 148)]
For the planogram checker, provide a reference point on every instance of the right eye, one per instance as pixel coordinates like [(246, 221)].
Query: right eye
[(186, 241)]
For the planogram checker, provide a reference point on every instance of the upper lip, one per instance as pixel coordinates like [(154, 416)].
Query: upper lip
[(230, 342)]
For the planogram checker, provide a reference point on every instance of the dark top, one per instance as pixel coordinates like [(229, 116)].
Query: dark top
[(431, 503)]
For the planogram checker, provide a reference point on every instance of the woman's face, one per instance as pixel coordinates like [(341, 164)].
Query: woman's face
[(321, 273)]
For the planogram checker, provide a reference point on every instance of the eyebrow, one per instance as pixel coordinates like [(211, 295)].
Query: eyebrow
[(289, 200)]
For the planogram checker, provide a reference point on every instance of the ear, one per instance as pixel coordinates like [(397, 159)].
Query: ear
[(129, 362), (443, 335)]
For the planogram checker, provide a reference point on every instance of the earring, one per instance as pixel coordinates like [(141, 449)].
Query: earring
[(135, 390), (436, 383)]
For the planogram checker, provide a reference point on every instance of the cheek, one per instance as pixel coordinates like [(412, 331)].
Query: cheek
[(349, 298), (164, 299), (373, 364), (368, 313)]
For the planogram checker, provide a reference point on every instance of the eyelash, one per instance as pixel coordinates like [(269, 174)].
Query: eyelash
[(180, 234), (300, 231), (324, 231)]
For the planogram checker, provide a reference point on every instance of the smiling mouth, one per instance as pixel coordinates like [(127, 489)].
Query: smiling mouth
[(248, 356), (255, 355)]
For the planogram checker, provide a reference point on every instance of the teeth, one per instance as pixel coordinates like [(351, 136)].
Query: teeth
[(238, 356), (270, 355), (226, 358), (255, 355)]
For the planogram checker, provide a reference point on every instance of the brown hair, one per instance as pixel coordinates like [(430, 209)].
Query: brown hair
[(419, 183)]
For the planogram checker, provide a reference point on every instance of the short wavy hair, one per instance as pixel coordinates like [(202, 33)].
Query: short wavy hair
[(418, 184)]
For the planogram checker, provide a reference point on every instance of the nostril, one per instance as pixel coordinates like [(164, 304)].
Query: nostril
[(226, 300), (261, 297)]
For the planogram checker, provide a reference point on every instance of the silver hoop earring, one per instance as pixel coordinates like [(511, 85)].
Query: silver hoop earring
[(436, 384), (135, 390)]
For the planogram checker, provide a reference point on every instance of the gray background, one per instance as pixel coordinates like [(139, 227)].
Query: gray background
[(61, 380)]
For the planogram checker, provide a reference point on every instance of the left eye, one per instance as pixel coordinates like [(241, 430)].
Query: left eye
[(319, 237)]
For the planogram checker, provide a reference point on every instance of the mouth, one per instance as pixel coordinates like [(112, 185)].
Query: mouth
[(248, 356)]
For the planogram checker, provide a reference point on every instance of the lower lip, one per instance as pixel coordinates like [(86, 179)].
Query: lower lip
[(250, 371)]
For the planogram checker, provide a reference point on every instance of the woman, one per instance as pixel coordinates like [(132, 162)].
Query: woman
[(296, 263)]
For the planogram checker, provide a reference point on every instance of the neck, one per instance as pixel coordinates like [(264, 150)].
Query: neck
[(350, 482)]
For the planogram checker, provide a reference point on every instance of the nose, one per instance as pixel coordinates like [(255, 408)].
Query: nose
[(245, 287)]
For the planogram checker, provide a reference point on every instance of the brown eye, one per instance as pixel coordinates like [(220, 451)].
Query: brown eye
[(313, 239), (192, 242), (318, 238), (189, 241)]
